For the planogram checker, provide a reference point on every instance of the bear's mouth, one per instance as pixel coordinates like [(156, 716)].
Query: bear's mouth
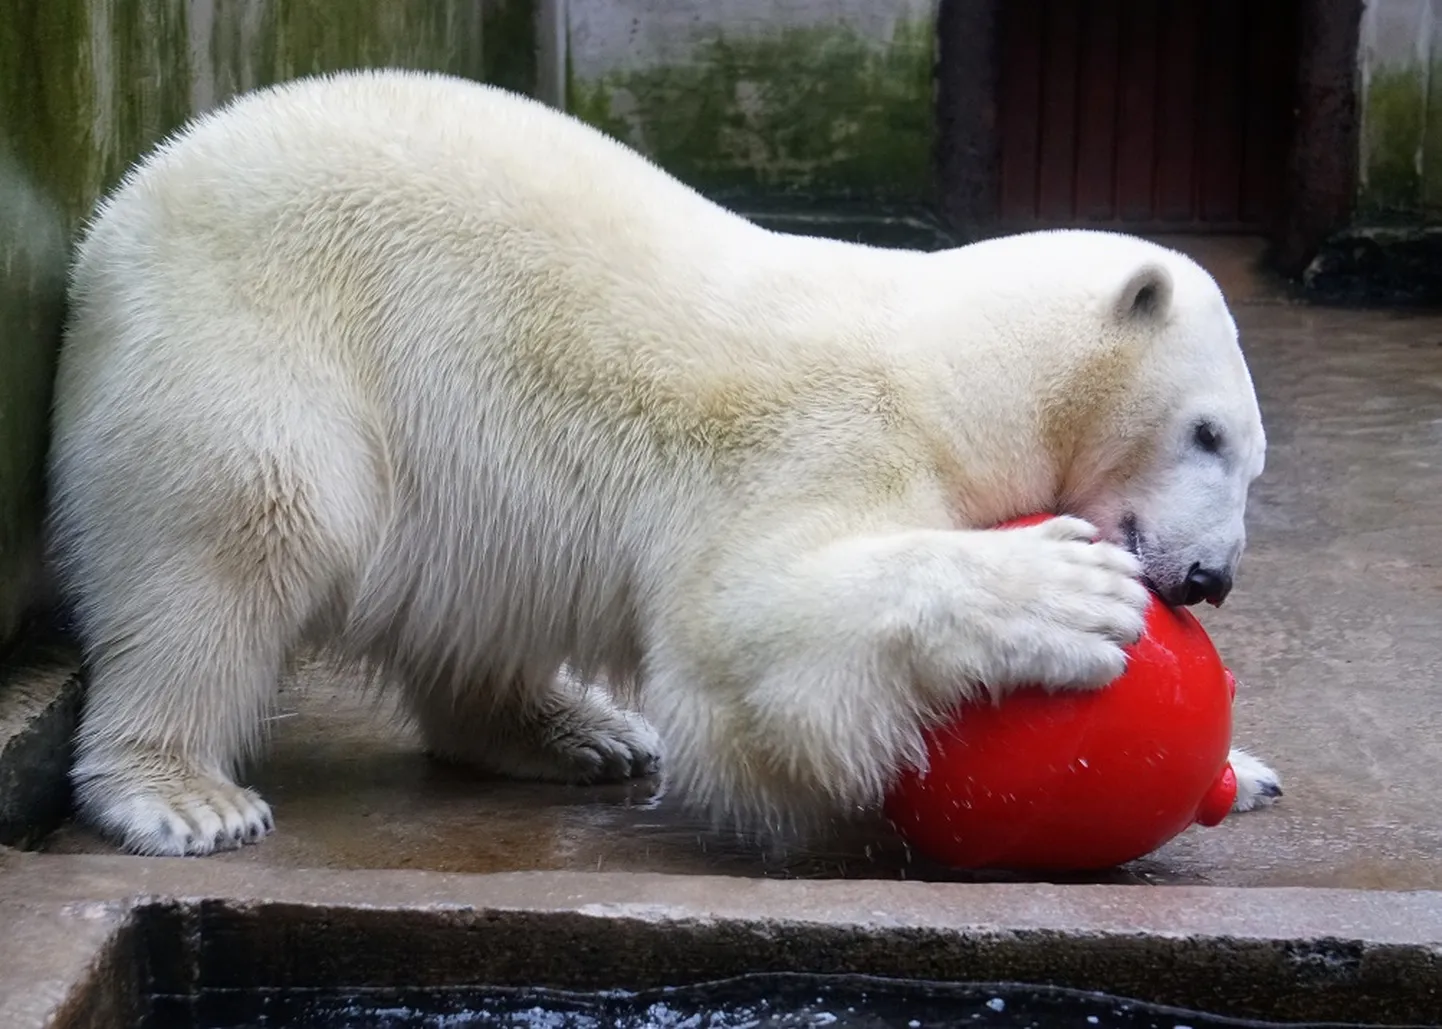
[(1176, 596), (1131, 535), (1132, 541)]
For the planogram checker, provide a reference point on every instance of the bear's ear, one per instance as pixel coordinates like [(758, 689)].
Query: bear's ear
[(1146, 294)]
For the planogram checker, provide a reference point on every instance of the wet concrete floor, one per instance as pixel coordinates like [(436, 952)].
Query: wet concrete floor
[(1334, 631)]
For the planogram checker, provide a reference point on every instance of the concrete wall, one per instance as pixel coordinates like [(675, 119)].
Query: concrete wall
[(826, 98), (87, 85), (1400, 67)]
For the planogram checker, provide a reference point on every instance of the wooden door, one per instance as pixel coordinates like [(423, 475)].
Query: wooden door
[(1145, 115)]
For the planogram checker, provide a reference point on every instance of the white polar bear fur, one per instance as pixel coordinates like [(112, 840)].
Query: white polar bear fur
[(439, 377)]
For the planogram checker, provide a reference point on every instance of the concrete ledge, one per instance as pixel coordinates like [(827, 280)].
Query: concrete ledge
[(1378, 267), (91, 935), (39, 702)]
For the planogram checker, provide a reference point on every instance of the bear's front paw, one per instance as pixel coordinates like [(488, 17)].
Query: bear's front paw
[(1258, 786), (1055, 609)]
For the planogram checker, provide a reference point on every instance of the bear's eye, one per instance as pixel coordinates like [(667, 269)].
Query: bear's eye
[(1207, 437)]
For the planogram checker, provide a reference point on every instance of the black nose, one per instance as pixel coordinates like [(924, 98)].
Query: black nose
[(1206, 584)]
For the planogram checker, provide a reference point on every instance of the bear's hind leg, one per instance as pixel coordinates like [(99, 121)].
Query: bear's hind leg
[(188, 602), (175, 701), (569, 732)]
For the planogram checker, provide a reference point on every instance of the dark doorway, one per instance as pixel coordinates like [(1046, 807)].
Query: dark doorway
[(1150, 116), (1147, 116)]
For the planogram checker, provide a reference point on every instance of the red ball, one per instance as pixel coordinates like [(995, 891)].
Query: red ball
[(1080, 780)]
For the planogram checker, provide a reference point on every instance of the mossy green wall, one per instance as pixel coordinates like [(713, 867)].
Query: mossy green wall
[(87, 85), (1401, 99), (1394, 123), (820, 108)]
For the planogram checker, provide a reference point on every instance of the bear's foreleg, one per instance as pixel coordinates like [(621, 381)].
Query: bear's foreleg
[(801, 683), (175, 700)]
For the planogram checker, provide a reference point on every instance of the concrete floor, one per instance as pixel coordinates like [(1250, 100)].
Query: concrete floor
[(1333, 632)]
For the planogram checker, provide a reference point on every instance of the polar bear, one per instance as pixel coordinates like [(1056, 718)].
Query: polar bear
[(446, 381)]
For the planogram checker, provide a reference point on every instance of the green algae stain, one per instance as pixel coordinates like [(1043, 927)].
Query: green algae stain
[(815, 110), (1394, 123), (32, 283), (88, 86), (1432, 145), (84, 86), (1401, 153), (265, 41)]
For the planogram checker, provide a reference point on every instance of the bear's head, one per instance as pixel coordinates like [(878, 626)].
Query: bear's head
[(1163, 460), (1119, 361)]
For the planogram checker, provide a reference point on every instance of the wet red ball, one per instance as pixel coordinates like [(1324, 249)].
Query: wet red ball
[(1080, 780)]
